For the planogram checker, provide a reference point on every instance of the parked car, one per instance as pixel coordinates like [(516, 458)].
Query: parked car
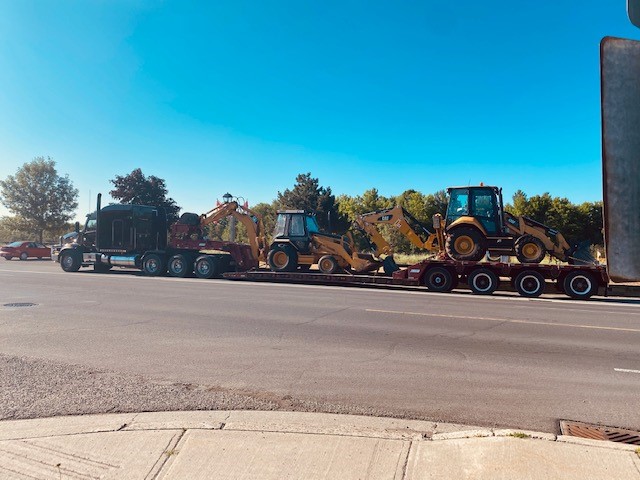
[(24, 250)]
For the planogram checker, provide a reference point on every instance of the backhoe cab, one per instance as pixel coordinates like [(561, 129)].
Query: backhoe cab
[(299, 243), (476, 223)]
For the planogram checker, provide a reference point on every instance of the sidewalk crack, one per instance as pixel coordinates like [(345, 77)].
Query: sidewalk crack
[(169, 451), (405, 467)]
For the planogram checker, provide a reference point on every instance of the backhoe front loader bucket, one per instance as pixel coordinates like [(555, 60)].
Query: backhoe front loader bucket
[(580, 254), (389, 265)]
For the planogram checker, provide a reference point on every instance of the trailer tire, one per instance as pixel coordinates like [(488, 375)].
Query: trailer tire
[(282, 258), (70, 261), (530, 283), (328, 265), (530, 249), (580, 285), (483, 281), (465, 244), (179, 266), (438, 279), (153, 265), (206, 267)]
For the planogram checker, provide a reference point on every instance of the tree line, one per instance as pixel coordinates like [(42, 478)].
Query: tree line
[(44, 202)]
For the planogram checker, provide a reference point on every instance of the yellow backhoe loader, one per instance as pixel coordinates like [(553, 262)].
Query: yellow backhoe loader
[(298, 243)]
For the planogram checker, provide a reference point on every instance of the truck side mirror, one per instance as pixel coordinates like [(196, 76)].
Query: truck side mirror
[(77, 227)]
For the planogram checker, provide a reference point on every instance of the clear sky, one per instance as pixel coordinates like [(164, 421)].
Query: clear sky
[(240, 96)]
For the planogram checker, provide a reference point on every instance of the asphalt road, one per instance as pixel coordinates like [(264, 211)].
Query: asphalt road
[(123, 342)]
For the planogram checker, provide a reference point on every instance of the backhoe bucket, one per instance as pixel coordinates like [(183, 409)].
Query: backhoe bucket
[(580, 254), (389, 265)]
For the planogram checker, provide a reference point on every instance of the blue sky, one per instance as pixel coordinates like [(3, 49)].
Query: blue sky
[(241, 96)]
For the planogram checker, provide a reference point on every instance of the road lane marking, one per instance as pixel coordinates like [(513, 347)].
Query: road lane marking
[(626, 370), (505, 320)]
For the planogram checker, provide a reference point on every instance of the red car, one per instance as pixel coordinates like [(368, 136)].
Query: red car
[(24, 250)]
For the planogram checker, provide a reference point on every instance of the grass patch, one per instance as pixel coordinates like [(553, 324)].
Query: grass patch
[(405, 259), (171, 453), (519, 435)]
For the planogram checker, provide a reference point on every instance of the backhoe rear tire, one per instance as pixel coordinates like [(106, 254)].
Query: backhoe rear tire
[(530, 249), (282, 258), (466, 244), (328, 264)]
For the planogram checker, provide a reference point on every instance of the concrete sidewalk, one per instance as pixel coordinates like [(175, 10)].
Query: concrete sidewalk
[(277, 445)]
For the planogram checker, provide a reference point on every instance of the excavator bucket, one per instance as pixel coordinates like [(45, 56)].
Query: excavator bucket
[(580, 254), (389, 265)]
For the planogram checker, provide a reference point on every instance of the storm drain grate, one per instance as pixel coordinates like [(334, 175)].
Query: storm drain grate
[(599, 432), (20, 304)]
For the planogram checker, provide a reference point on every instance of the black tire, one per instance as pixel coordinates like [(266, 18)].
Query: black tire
[(282, 258), (438, 279), (466, 244), (101, 267), (70, 261), (580, 285), (530, 283), (206, 266), (483, 281), (530, 249), (179, 266), (153, 265), (8, 257), (24, 256), (328, 264)]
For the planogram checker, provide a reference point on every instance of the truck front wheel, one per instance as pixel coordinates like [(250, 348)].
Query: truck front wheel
[(70, 261), (153, 265)]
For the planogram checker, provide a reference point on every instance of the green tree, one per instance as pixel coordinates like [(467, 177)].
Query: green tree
[(39, 197), (136, 188), (307, 194)]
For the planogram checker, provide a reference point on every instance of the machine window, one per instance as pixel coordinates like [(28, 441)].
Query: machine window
[(312, 224), (458, 204), (297, 226), (280, 225)]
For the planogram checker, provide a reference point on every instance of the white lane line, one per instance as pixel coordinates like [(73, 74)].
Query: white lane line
[(626, 370), (505, 320)]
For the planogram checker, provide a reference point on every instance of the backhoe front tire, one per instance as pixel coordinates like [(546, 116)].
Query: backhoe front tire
[(530, 249), (328, 265), (283, 259), (466, 244)]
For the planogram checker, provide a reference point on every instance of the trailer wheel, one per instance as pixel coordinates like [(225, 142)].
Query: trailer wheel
[(465, 243), (438, 279), (483, 281), (282, 258), (206, 266), (530, 249), (153, 265), (179, 266), (328, 264), (70, 261), (530, 283), (580, 285)]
